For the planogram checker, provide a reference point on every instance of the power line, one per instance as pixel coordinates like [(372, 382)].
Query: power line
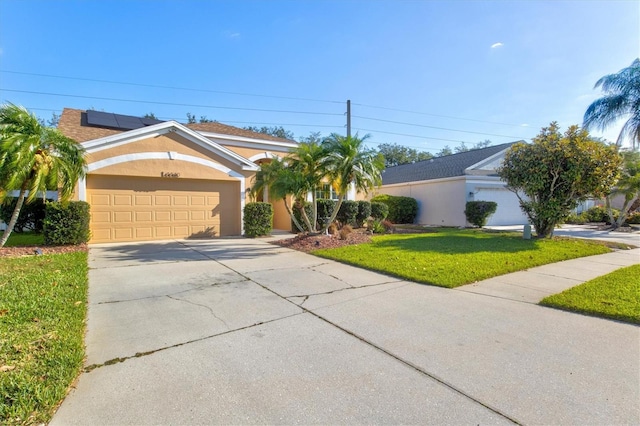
[(435, 127), (413, 136), (437, 115), (93, 80), (168, 103), (224, 121)]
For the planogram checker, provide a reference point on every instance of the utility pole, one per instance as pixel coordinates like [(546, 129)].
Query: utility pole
[(348, 118)]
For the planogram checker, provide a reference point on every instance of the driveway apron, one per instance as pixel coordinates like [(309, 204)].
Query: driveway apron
[(241, 331)]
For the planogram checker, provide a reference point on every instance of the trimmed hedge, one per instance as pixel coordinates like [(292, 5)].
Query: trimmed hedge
[(401, 209), (364, 211), (66, 223), (31, 217), (258, 219), (347, 213), (379, 211), (325, 208), (477, 212)]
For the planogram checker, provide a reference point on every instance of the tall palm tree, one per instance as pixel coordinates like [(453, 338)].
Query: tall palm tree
[(307, 161), (34, 158), (348, 162), (622, 98)]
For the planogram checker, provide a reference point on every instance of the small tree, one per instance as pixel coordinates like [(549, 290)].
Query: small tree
[(554, 173)]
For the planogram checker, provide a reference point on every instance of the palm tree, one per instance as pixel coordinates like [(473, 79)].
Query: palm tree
[(628, 186), (348, 162), (34, 158), (622, 98), (280, 182), (307, 161)]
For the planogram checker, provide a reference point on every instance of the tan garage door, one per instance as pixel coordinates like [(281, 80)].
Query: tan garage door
[(139, 209)]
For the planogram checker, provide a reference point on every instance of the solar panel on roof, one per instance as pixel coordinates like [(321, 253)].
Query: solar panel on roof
[(128, 122), (118, 121), (102, 119), (150, 121)]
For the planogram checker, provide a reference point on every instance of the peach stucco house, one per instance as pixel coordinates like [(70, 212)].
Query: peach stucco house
[(150, 179)]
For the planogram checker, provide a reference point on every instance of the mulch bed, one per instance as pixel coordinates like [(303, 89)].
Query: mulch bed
[(307, 243), (31, 250)]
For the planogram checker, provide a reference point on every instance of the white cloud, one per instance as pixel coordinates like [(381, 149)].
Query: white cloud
[(230, 34), (496, 45), (524, 125)]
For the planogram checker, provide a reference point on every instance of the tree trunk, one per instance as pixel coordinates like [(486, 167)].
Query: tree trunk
[(624, 211), (293, 216), (334, 213), (14, 216), (612, 220), (544, 229)]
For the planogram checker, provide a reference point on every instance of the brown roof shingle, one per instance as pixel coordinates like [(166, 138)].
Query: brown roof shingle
[(73, 124)]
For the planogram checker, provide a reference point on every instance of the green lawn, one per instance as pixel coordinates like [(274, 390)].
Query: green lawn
[(454, 257), (25, 239), (615, 295), (42, 312)]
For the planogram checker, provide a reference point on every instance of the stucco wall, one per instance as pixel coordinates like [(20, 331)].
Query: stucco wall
[(440, 202)]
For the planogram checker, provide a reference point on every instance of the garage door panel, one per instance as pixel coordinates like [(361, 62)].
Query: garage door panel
[(132, 210), (162, 200), (180, 216), (163, 216), (144, 216), (143, 200), (122, 200), (123, 217)]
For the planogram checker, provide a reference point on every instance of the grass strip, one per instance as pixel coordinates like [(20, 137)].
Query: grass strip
[(24, 239), (454, 257), (42, 311), (615, 296)]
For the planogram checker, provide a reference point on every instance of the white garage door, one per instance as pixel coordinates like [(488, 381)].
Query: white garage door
[(139, 209), (508, 211)]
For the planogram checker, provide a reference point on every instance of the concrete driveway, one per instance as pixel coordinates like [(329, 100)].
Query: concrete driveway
[(238, 331)]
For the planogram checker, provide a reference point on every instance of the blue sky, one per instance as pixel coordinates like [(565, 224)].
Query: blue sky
[(449, 71)]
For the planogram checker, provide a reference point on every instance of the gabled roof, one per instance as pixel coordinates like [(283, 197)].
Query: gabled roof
[(73, 123), (440, 167), (215, 127), (164, 127)]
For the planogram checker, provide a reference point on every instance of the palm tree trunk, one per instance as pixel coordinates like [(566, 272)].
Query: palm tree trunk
[(334, 214), (293, 216), (14, 216), (612, 220)]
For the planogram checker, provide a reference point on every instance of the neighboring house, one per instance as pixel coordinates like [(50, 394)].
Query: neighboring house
[(148, 179), (443, 185)]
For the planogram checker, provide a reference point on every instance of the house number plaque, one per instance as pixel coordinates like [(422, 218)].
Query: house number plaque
[(170, 174)]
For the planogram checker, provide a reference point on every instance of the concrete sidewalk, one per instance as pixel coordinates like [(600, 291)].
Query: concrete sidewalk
[(243, 332), (535, 284)]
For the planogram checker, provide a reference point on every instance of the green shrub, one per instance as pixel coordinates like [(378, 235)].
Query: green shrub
[(477, 212), (633, 218), (31, 215), (258, 219), (379, 211), (348, 213), (376, 226), (401, 209), (325, 209), (576, 219), (364, 211), (599, 214), (66, 223)]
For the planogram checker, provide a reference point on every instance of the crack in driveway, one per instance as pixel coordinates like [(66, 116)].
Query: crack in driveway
[(201, 305)]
